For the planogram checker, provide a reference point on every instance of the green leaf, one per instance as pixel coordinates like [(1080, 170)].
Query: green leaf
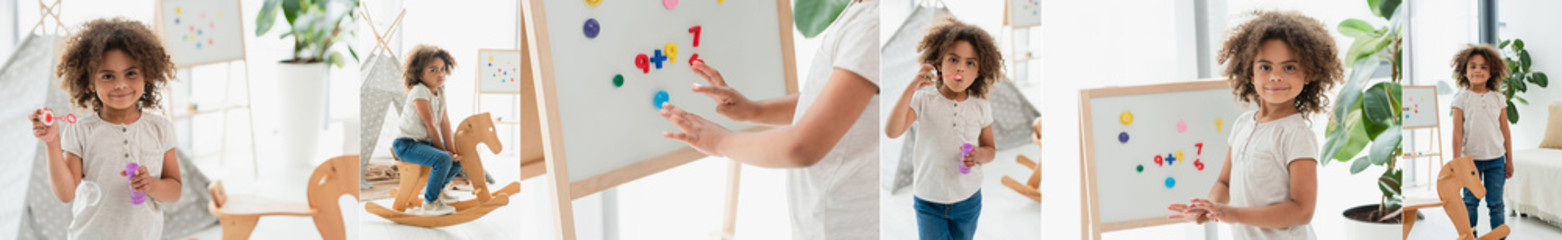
[(291, 9), (1518, 84), (1349, 96), (267, 16), (1389, 182), (1504, 44), (1358, 28), (1524, 60), (1386, 8), (1518, 44), (1539, 78), (1383, 147), (1521, 100), (1380, 107), (1513, 113), (1360, 164), (812, 16)]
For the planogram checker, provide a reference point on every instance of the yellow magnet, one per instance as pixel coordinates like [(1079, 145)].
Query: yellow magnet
[(1127, 118), (593, 3), (1218, 124), (672, 52), (1179, 154)]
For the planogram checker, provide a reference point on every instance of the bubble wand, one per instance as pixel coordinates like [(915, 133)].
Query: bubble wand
[(965, 150)]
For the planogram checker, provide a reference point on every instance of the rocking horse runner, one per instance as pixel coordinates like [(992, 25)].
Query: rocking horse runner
[(1457, 174), (473, 130)]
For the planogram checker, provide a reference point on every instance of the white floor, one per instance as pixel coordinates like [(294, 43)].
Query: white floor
[(1005, 213)]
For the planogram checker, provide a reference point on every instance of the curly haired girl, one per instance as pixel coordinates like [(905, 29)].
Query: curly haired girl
[(1284, 62), (115, 68), (425, 127), (961, 61), (1481, 126)]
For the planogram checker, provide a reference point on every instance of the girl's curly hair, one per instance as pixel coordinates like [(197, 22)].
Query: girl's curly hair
[(421, 56), (84, 51), (1309, 42), (941, 39), (1495, 65)]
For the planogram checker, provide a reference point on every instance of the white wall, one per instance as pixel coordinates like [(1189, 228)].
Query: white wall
[(1535, 22)]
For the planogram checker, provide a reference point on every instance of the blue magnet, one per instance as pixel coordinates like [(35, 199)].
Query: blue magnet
[(661, 97), (1170, 158), (1122, 137), (1170, 182), (592, 28), (657, 57)]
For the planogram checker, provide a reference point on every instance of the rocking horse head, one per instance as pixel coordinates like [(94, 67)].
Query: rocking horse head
[(1462, 172), (476, 129)]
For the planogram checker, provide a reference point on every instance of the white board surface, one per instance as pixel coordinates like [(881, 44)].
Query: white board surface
[(1024, 13), (499, 71), (1166, 119), (1419, 105), (201, 31), (606, 126)]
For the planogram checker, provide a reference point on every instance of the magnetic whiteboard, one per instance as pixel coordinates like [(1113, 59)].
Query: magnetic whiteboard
[(605, 125), (1419, 105), (1165, 119), (1025, 13), (201, 31), (498, 71)]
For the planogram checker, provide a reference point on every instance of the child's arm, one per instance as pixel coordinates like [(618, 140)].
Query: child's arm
[(1507, 144), (426, 113), (902, 116), (985, 149), (444, 124), (164, 189), (64, 168), (1458, 145), (733, 105), (1296, 211), (1220, 193), (804, 143)]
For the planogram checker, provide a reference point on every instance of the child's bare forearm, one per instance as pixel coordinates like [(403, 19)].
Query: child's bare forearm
[(776, 111), (61, 178), (166, 189), (1284, 214)]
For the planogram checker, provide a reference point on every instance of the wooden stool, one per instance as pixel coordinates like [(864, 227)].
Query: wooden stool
[(330, 181)]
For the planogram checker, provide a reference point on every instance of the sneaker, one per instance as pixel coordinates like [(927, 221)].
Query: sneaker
[(444, 196), (436, 208)]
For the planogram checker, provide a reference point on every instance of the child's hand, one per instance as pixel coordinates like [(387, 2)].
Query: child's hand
[(142, 182), (729, 102), (970, 159), (1185, 213), (49, 134), (699, 133), (1216, 211), (1509, 170), (924, 78)]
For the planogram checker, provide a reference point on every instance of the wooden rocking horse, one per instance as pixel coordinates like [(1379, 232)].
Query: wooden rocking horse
[(472, 131), (1032, 187), (332, 179), (1456, 175)]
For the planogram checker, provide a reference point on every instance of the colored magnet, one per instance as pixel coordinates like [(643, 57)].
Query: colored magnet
[(643, 63), (1218, 124), (1140, 168), (1159, 161), (1122, 137), (1201, 148), (661, 97), (1126, 117), (1170, 159), (1197, 163), (618, 81), (1171, 182), (1179, 154), (672, 52), (1182, 126), (657, 57), (696, 31), (694, 58), (670, 4), (592, 28), (593, 3)]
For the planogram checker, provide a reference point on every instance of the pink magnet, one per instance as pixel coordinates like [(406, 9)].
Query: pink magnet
[(670, 4), (1182, 126)]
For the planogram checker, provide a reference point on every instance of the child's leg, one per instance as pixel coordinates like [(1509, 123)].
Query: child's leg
[(963, 217), (1494, 176), (932, 220), (423, 153)]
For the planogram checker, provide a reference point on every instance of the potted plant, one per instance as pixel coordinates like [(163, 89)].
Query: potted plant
[(1364, 127), (316, 27)]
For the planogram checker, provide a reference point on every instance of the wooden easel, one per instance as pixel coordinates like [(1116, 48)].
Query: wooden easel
[(227, 104), (1456, 175), (1434, 130)]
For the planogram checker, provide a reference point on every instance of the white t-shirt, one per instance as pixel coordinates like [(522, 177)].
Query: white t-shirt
[(1482, 124), (1261, 154), (836, 198), (943, 125), (411, 123), (105, 148)]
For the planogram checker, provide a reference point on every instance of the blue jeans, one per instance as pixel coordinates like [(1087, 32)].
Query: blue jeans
[(948, 221), (424, 153), (1494, 176)]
